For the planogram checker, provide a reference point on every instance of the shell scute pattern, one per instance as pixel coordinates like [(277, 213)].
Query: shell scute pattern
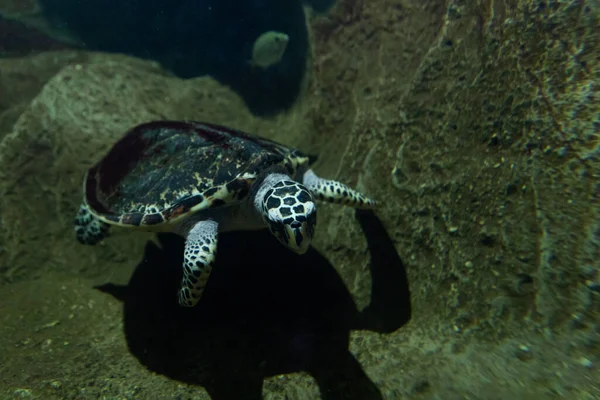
[(162, 170)]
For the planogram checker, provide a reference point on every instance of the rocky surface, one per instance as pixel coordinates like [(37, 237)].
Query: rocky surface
[(476, 125)]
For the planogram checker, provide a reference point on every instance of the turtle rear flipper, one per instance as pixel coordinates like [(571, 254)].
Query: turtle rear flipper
[(336, 192), (199, 257), (89, 229)]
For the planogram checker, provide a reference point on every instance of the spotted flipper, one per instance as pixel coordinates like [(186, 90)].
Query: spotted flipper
[(336, 192), (199, 258), (88, 228)]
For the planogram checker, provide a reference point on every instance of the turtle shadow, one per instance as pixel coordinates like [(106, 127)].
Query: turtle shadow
[(265, 312)]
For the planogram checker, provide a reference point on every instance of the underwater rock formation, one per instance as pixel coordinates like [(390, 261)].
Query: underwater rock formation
[(474, 123), (21, 79)]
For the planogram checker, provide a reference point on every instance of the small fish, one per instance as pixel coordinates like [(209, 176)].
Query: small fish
[(268, 49)]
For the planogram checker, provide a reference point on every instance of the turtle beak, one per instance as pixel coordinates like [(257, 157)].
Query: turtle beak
[(298, 237)]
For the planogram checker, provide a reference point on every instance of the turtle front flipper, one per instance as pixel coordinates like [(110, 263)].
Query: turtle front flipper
[(89, 229), (199, 258), (336, 192)]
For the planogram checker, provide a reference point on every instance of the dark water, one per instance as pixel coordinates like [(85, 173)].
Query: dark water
[(195, 38)]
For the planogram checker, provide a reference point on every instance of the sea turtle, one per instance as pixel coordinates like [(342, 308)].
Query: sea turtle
[(198, 179)]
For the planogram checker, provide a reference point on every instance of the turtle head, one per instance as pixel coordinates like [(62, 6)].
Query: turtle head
[(289, 211)]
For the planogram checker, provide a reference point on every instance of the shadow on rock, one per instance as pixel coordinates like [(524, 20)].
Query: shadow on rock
[(265, 312)]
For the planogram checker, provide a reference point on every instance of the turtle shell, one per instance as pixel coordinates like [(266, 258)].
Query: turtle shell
[(161, 171)]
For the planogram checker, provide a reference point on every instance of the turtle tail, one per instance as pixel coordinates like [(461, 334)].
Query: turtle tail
[(88, 228)]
